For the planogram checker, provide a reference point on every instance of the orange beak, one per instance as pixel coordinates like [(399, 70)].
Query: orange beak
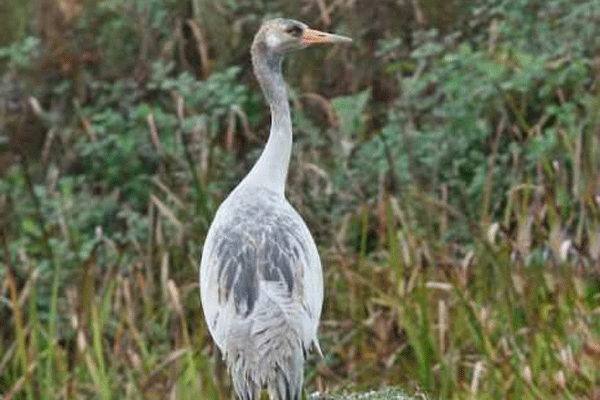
[(312, 36)]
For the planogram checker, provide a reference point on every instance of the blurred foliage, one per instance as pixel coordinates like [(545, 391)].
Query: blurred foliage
[(513, 96), (448, 164)]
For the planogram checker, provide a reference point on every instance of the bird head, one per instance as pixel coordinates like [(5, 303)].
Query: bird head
[(279, 36)]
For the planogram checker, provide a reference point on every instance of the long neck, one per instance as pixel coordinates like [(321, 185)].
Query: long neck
[(272, 166)]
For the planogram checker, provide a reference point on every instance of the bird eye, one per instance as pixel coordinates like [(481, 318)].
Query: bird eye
[(294, 30)]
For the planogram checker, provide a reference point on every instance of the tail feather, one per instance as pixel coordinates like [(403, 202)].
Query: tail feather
[(287, 382), (266, 350), (283, 379), (245, 388)]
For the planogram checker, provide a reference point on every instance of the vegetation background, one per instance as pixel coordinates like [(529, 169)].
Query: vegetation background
[(447, 163)]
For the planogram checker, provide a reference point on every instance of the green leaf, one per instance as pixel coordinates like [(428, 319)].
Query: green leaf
[(30, 227), (350, 110)]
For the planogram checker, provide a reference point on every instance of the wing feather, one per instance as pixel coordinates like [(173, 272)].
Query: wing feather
[(260, 249)]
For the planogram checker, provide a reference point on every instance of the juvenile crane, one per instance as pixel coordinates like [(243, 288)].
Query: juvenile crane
[(261, 280)]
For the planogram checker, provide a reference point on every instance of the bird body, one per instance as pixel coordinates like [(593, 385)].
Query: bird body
[(268, 290), (261, 280)]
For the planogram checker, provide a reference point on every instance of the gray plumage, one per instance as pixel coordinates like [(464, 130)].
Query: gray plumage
[(260, 275)]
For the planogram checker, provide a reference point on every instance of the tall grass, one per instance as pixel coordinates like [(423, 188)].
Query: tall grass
[(451, 184)]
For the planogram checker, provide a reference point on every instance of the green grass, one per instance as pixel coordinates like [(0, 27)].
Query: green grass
[(455, 206), (386, 394)]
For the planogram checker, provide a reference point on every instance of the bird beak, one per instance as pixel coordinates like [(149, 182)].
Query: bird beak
[(312, 36)]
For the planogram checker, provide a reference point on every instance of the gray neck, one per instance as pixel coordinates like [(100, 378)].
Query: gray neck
[(272, 166)]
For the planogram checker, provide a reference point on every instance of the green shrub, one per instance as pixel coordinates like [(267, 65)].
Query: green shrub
[(497, 107)]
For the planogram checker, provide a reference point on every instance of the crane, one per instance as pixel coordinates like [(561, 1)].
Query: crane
[(261, 280)]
